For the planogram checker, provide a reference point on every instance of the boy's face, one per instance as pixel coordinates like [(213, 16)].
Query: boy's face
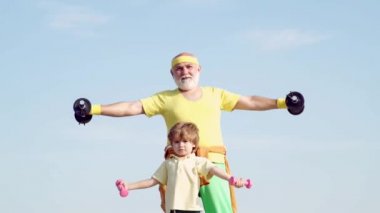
[(182, 148)]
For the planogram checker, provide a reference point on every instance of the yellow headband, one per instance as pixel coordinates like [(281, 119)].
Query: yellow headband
[(185, 58)]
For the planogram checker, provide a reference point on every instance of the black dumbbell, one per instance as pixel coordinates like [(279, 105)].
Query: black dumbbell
[(295, 103), (82, 109)]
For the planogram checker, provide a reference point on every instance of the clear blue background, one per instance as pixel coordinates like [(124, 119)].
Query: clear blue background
[(52, 52)]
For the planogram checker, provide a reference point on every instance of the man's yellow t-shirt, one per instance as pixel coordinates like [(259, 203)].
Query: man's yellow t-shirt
[(204, 112)]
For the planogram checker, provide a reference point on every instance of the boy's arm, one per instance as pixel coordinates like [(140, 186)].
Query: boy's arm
[(219, 172), (142, 184), (240, 182)]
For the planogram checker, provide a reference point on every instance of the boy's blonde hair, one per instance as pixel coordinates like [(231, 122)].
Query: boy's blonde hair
[(184, 131)]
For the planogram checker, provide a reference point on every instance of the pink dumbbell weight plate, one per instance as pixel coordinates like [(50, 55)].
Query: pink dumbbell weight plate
[(121, 187), (248, 184)]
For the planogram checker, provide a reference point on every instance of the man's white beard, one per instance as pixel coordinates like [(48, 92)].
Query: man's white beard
[(188, 83)]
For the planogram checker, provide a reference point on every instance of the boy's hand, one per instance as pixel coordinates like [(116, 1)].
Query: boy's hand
[(240, 182), (122, 187)]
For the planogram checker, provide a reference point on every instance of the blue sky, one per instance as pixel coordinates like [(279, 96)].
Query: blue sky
[(52, 52)]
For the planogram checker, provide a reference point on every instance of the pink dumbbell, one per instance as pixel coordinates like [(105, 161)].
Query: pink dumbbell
[(248, 183), (121, 187)]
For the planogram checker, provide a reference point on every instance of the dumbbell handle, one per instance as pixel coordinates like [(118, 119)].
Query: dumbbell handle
[(82, 104), (123, 191), (248, 184)]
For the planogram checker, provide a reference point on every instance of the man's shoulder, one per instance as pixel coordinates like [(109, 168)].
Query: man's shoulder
[(167, 92), (163, 94), (213, 90), (176, 91)]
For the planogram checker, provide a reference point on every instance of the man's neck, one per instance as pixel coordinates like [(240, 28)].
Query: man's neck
[(193, 94)]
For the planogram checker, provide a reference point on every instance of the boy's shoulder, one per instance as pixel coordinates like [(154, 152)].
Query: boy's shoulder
[(201, 159)]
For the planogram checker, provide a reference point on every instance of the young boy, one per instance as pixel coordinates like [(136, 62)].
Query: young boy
[(181, 172)]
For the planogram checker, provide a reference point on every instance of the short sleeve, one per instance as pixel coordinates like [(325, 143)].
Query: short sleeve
[(153, 105), (161, 174), (228, 99), (204, 166)]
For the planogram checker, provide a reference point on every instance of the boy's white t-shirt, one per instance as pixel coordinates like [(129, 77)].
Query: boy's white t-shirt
[(181, 177)]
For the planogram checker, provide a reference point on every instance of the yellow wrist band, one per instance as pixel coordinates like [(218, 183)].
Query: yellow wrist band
[(96, 109), (281, 104)]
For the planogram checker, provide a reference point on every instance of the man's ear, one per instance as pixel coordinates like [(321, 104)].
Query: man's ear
[(171, 72)]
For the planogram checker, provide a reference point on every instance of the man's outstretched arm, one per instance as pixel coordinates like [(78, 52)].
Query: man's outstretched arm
[(121, 109), (294, 102), (256, 103)]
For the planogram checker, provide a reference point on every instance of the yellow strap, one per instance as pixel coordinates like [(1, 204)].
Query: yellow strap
[(281, 104), (185, 58), (96, 109)]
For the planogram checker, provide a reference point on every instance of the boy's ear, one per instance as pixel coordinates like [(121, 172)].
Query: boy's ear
[(195, 149)]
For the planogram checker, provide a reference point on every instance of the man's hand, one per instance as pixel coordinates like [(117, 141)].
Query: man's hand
[(82, 109), (295, 103)]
